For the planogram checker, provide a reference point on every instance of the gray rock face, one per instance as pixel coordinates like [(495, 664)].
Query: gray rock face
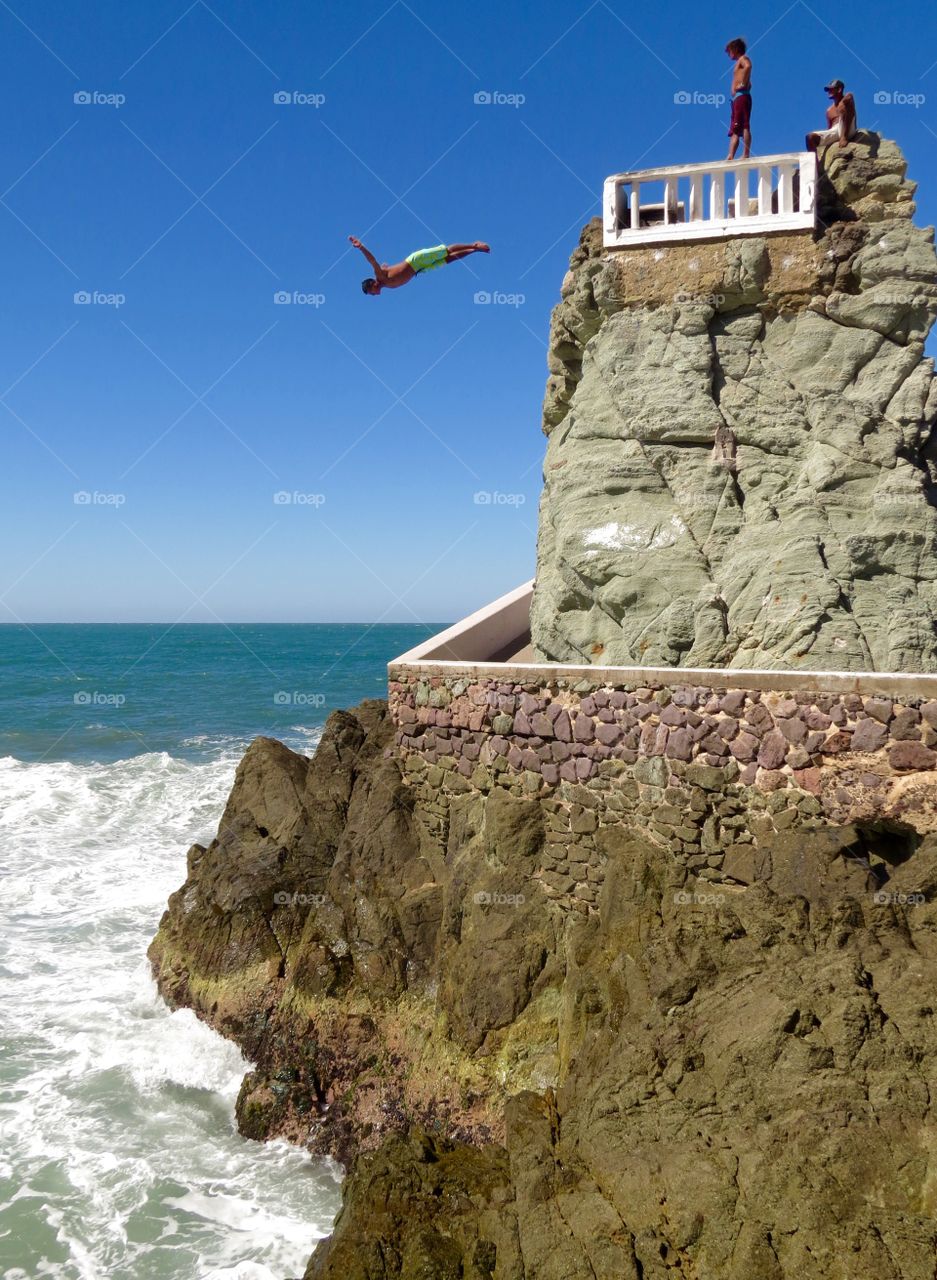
[(740, 469)]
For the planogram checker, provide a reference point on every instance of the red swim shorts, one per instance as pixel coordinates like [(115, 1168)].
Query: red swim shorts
[(741, 115)]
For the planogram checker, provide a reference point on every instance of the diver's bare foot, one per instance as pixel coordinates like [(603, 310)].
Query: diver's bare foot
[(482, 247)]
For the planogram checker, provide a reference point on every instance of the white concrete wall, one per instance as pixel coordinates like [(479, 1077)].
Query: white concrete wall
[(486, 632)]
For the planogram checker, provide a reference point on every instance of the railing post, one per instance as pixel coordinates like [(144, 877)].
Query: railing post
[(611, 214), (785, 188), (717, 197), (696, 197), (764, 191), (670, 201), (635, 205), (741, 193), (808, 183)]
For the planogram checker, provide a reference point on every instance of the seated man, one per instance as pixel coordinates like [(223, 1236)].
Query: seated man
[(392, 277), (840, 117)]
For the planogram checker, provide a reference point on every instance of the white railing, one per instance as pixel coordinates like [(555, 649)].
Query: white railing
[(711, 201)]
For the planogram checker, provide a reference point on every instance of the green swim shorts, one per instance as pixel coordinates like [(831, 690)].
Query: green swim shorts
[(427, 259)]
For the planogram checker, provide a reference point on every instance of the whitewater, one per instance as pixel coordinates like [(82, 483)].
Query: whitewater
[(119, 1155)]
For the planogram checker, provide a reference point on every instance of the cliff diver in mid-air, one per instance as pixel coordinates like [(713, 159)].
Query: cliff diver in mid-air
[(392, 277)]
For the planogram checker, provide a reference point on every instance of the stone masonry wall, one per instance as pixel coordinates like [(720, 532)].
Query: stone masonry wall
[(714, 775)]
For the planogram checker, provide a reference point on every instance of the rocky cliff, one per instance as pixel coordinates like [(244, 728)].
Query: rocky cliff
[(681, 1079), (740, 468), (636, 983)]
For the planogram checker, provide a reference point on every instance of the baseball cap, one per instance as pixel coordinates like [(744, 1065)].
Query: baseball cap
[(834, 84)]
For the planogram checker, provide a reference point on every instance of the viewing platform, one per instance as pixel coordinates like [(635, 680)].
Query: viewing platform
[(710, 201), (494, 644)]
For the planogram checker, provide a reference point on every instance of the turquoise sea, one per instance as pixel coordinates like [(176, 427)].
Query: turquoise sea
[(118, 744)]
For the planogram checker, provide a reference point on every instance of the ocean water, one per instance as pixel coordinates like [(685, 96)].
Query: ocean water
[(119, 1155)]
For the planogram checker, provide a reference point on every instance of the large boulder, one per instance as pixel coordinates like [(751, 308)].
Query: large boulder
[(739, 467), (744, 1094), (379, 966)]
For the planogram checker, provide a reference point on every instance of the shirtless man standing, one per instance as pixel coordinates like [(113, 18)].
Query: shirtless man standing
[(740, 125), (840, 118), (392, 277)]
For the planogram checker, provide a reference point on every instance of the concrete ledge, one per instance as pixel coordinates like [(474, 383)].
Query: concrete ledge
[(898, 685)]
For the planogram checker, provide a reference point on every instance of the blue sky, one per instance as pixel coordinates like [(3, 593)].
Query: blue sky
[(183, 397)]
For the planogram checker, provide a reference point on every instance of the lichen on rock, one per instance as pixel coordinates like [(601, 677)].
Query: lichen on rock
[(739, 469)]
